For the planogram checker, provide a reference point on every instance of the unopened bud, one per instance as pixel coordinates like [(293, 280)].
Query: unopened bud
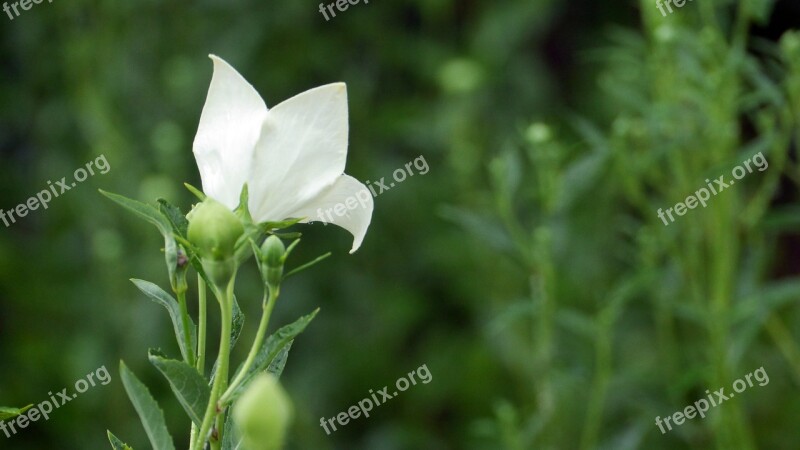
[(272, 254), (263, 414), (790, 44), (214, 229)]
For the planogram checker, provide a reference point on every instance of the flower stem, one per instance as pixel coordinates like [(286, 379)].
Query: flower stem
[(201, 333), (269, 304), (201, 341), (220, 379)]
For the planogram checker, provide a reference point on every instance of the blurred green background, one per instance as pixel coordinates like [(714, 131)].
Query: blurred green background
[(527, 269)]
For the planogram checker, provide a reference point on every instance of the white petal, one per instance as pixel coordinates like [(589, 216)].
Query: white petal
[(301, 152), (347, 203), (226, 137)]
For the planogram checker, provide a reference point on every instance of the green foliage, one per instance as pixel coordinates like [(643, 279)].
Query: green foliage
[(9, 413), (116, 444), (149, 412), (155, 217), (698, 296), (459, 82), (205, 400), (189, 387), (273, 351), (157, 295)]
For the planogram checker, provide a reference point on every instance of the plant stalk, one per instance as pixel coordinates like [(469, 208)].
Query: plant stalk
[(220, 379), (269, 304)]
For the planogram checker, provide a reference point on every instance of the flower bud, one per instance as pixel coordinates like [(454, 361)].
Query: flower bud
[(214, 229), (538, 133), (272, 258), (263, 414), (790, 44)]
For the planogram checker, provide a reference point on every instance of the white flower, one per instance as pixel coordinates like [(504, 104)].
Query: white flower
[(292, 156)]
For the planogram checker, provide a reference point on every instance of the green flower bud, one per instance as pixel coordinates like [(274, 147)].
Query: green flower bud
[(263, 414), (214, 229), (272, 258), (538, 133), (790, 44)]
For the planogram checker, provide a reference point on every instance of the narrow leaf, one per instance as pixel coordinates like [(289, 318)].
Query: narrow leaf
[(189, 387), (149, 412), (306, 265), (277, 364), (288, 236), (238, 322), (243, 210), (176, 218), (197, 192), (9, 413), (159, 296), (154, 216), (485, 227), (269, 226), (116, 444)]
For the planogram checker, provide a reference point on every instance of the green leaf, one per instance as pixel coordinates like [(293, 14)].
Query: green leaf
[(159, 296), (582, 177), (176, 218), (243, 210), (277, 364), (9, 413), (759, 305), (484, 227), (149, 412), (197, 192), (269, 226), (238, 322), (288, 236), (272, 348), (116, 444), (306, 265), (189, 387), (154, 216)]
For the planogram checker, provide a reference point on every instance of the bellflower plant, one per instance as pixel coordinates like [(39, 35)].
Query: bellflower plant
[(262, 171)]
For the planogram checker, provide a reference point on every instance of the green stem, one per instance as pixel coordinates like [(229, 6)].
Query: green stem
[(201, 342), (544, 325), (202, 330), (602, 374), (269, 304), (223, 359), (216, 441)]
